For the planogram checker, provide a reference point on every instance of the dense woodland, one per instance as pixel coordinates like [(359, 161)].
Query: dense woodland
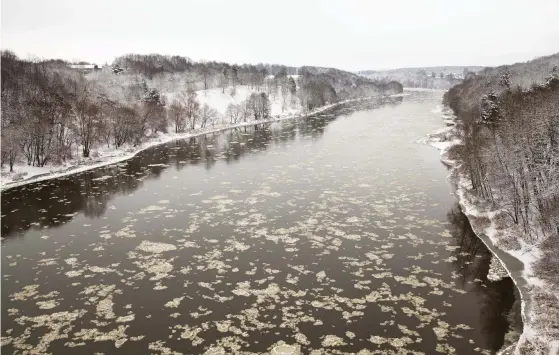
[(508, 121), (511, 137), (52, 112)]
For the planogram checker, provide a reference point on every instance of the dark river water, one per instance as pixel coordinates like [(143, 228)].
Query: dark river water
[(328, 235)]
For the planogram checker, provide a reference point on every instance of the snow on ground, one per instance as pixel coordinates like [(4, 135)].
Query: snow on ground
[(528, 255), (219, 99), (101, 156)]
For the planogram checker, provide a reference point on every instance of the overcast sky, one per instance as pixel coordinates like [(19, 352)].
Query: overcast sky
[(346, 34)]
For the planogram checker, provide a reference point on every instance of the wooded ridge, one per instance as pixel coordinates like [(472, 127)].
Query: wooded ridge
[(508, 128)]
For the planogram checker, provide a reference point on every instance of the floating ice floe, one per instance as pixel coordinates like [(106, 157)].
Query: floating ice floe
[(285, 349), (155, 247)]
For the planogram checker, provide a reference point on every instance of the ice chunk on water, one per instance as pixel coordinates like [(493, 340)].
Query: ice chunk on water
[(154, 247), (286, 349)]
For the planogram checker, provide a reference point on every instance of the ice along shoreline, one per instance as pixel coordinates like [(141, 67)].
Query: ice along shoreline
[(119, 155)]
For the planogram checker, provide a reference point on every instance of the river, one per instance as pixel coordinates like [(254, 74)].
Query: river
[(337, 233)]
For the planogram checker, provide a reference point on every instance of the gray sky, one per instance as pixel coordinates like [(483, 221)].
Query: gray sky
[(346, 34)]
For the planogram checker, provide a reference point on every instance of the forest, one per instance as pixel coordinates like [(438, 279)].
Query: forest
[(508, 125), (53, 111), (511, 144)]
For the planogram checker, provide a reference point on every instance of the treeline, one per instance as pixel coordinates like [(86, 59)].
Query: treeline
[(433, 81), (174, 73), (348, 85), (443, 77), (153, 64), (198, 75), (510, 137)]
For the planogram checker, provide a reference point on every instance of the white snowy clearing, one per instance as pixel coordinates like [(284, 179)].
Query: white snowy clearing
[(219, 99)]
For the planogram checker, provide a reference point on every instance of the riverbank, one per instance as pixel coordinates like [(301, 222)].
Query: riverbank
[(102, 157), (518, 258)]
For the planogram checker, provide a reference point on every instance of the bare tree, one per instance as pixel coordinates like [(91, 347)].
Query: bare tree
[(224, 80), (207, 115), (191, 105), (234, 76), (126, 126), (11, 136), (259, 105), (234, 112), (205, 74), (86, 113), (177, 115)]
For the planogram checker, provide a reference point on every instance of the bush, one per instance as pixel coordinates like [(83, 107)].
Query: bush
[(532, 347), (479, 222), (547, 267), (455, 152)]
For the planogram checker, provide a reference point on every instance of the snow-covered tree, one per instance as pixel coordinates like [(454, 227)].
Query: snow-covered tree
[(191, 105), (504, 79), (177, 115)]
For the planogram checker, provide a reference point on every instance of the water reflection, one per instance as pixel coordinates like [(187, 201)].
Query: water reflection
[(55, 202), (499, 300)]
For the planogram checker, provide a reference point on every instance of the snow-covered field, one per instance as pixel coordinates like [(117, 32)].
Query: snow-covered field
[(101, 156), (219, 100), (494, 237)]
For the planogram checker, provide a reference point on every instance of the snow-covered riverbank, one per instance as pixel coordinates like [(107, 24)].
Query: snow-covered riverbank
[(107, 156), (516, 256)]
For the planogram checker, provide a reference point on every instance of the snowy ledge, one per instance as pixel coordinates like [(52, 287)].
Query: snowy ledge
[(108, 157), (518, 263)]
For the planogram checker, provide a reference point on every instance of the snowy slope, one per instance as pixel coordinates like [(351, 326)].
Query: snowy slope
[(219, 100)]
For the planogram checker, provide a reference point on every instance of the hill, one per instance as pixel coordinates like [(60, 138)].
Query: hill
[(57, 114)]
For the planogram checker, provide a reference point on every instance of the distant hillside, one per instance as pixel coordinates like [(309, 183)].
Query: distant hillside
[(468, 95), (424, 77), (350, 85), (176, 73), (525, 74)]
